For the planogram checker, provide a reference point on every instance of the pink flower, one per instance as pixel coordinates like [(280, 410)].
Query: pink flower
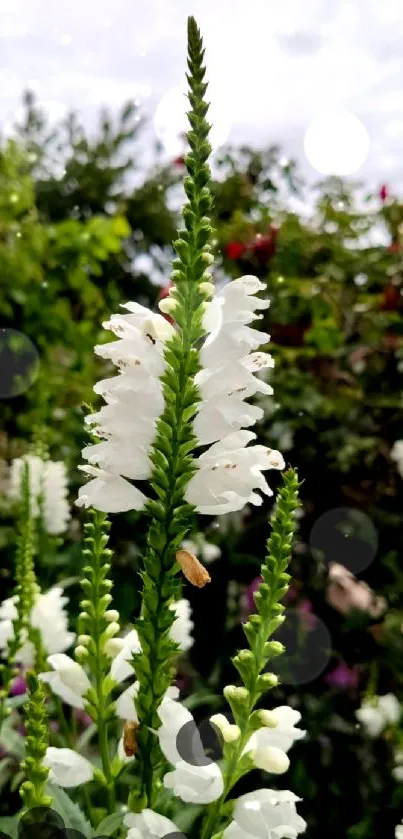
[(19, 686), (343, 677), (306, 614), (344, 592)]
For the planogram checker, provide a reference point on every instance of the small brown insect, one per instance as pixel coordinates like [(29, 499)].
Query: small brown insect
[(130, 745), (192, 569)]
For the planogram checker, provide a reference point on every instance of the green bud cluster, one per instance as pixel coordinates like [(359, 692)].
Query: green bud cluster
[(32, 790)]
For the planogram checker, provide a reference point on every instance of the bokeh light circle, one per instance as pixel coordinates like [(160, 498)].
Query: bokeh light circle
[(308, 646), (336, 143), (19, 363), (171, 122), (345, 536)]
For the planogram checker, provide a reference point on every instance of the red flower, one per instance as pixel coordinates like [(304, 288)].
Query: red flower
[(179, 161), (383, 193), (390, 298), (234, 250), (264, 247)]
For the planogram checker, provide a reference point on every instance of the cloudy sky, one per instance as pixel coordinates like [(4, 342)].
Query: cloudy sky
[(274, 66)]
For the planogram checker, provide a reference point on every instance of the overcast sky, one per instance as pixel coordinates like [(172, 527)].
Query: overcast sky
[(273, 65)]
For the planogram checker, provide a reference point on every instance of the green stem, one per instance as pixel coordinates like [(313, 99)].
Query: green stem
[(171, 454), (268, 601)]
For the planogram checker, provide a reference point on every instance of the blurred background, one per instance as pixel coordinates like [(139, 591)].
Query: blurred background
[(306, 106)]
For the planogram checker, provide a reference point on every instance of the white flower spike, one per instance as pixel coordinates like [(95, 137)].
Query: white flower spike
[(48, 480), (126, 424), (48, 615)]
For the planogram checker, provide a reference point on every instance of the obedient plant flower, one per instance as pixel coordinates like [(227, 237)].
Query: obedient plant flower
[(150, 825), (67, 768), (228, 473), (199, 782), (127, 423), (379, 712), (266, 814), (126, 703), (48, 490), (268, 746), (67, 679), (48, 615)]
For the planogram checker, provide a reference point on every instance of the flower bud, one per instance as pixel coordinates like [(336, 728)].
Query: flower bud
[(276, 647), (267, 718), (230, 733), (267, 681), (167, 305), (270, 759), (207, 288), (238, 693), (80, 652), (111, 630), (113, 646), (112, 615), (192, 569), (83, 640)]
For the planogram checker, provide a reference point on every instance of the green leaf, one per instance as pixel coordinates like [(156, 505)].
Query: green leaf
[(70, 812), (9, 825), (109, 825), (11, 740)]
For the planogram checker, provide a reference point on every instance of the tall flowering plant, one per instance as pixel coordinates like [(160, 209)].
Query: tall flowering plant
[(172, 439)]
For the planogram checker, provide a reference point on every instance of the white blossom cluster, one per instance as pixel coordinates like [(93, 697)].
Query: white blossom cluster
[(229, 472), (48, 615), (378, 712), (48, 489)]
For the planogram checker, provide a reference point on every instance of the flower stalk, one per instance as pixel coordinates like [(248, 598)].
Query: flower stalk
[(25, 591), (171, 456), (258, 629), (96, 628)]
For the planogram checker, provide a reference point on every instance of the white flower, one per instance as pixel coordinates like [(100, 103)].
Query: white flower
[(378, 712), (229, 473), (126, 423), (195, 784), (266, 814), (67, 768), (150, 825), (181, 628), (125, 704), (48, 615), (67, 680), (121, 667), (201, 781), (397, 455), (48, 483), (268, 746), (399, 831), (109, 493)]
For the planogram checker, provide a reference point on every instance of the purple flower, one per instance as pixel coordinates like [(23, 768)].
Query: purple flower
[(343, 677), (250, 591), (19, 686)]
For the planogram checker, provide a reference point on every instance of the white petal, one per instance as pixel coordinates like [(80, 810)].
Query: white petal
[(195, 784), (109, 493), (67, 768), (121, 667), (150, 825), (125, 707)]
